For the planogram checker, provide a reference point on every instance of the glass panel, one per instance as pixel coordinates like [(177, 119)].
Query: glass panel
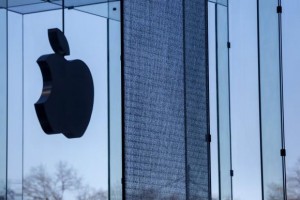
[(291, 60), (2, 5), (12, 3), (33, 8), (114, 10), (15, 105), (223, 103), (245, 101), (98, 9), (68, 3), (270, 100), (115, 121), (83, 160), (223, 2), (212, 98), (76, 3), (3, 102)]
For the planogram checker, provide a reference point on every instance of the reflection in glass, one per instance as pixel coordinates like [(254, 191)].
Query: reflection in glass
[(244, 100), (36, 159), (291, 73), (115, 123), (212, 98), (223, 104), (3, 102), (15, 105), (270, 100)]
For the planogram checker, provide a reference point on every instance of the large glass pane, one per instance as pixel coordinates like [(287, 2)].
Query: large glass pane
[(83, 160), (212, 98), (3, 102), (15, 105), (244, 101), (270, 100), (42, 166), (291, 72), (223, 103), (115, 120)]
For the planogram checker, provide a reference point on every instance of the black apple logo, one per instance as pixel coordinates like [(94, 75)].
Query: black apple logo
[(66, 103)]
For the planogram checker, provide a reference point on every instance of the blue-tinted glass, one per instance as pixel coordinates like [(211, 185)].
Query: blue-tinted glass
[(2, 3), (291, 72), (78, 3), (114, 10), (3, 102), (109, 10), (270, 100), (97, 9), (115, 121), (68, 3), (223, 2), (244, 101), (86, 157), (223, 103), (15, 105), (33, 8), (12, 3), (213, 102), (32, 153)]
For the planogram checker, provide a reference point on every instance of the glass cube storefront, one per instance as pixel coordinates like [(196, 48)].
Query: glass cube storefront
[(34, 165)]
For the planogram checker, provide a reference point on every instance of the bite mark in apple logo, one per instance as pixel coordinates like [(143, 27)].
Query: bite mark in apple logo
[(66, 103)]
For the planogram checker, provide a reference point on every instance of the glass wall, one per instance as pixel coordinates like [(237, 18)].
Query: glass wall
[(52, 166), (223, 103), (212, 100), (244, 100), (291, 73), (115, 116), (3, 99), (270, 99), (249, 97)]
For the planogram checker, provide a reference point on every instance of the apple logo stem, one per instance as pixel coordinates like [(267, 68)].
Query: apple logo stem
[(66, 103)]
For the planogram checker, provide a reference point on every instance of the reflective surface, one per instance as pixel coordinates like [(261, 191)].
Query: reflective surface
[(15, 106), (115, 121), (213, 101), (222, 2), (35, 158), (244, 101), (291, 72), (270, 100), (95, 7), (223, 104), (3, 101)]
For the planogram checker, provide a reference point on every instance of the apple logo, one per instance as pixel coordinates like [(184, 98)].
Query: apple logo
[(66, 103)]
